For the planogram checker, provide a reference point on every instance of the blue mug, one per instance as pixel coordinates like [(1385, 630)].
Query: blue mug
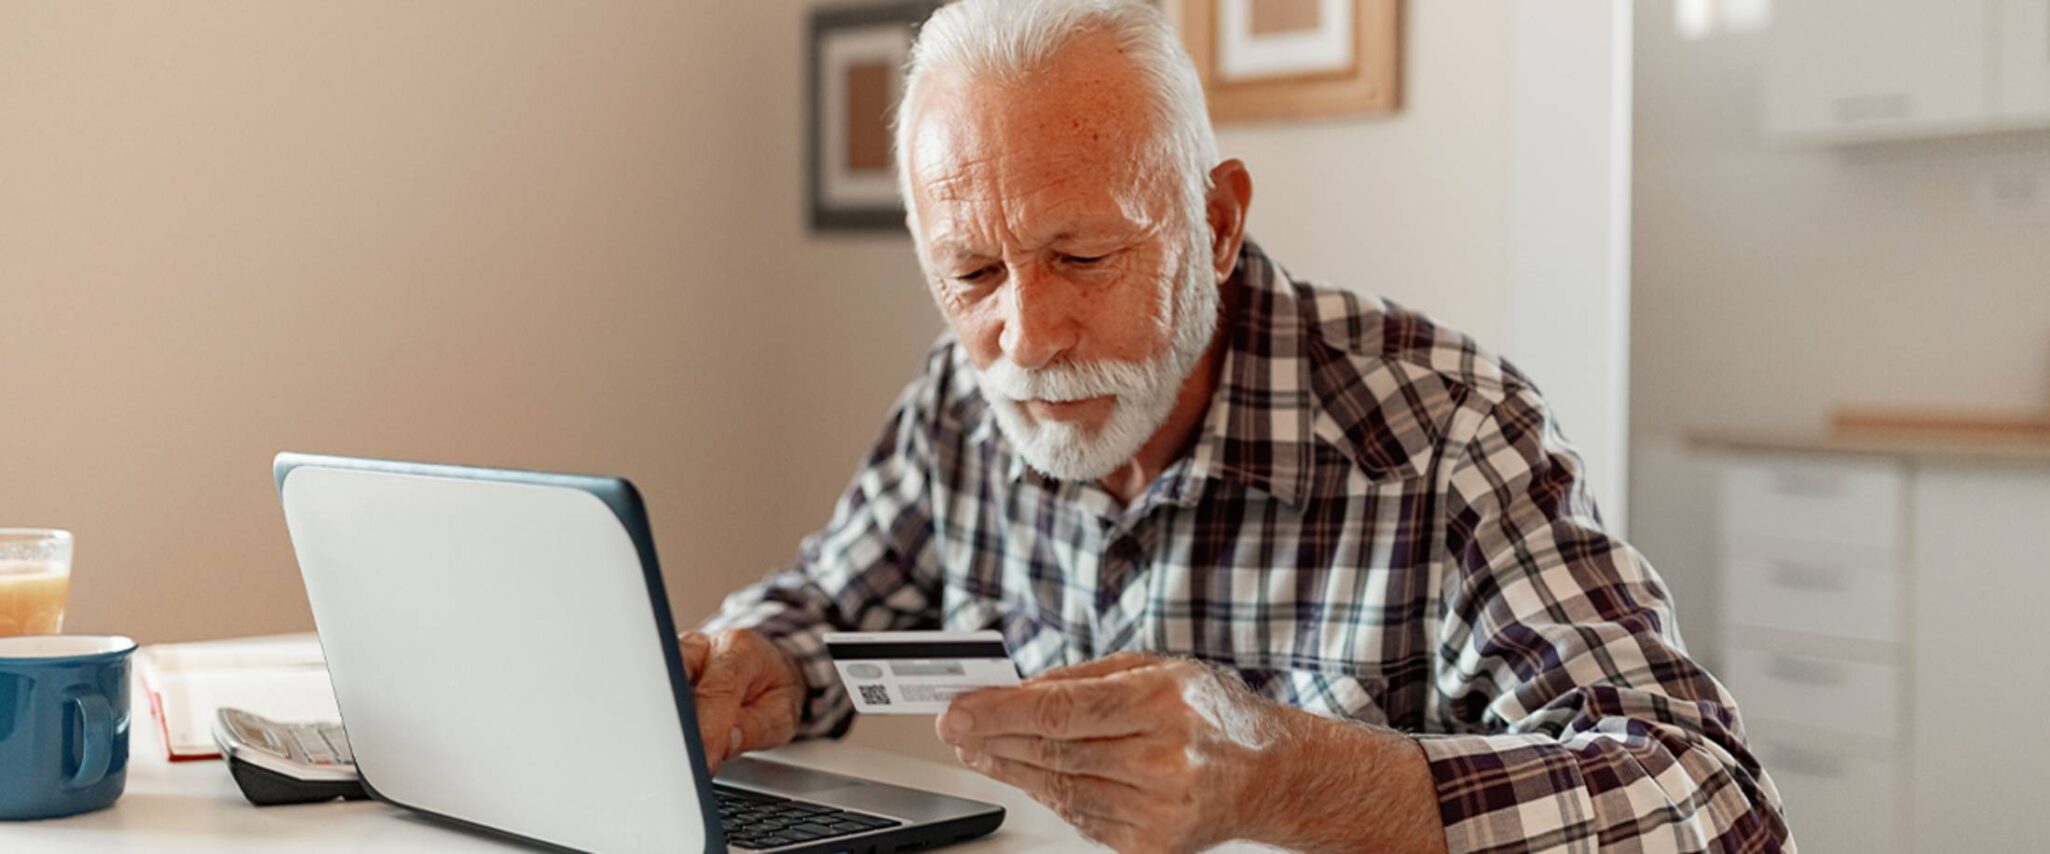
[(63, 724)]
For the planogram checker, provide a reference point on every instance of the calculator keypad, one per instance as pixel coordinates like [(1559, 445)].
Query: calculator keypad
[(318, 744)]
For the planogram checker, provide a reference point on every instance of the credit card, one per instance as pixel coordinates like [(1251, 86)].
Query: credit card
[(918, 673)]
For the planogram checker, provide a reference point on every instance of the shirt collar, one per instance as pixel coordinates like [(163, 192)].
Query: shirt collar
[(1259, 430)]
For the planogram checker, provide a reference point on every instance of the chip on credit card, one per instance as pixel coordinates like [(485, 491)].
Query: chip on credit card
[(918, 673)]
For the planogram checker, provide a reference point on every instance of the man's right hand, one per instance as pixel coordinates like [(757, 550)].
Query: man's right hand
[(749, 694)]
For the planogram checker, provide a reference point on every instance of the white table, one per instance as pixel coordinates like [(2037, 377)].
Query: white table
[(195, 807)]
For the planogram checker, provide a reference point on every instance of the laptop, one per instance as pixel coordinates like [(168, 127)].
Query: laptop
[(504, 658)]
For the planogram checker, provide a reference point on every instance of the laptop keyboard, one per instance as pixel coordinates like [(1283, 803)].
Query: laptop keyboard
[(756, 820)]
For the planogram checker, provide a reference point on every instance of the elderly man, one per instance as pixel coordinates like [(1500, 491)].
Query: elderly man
[(1284, 563)]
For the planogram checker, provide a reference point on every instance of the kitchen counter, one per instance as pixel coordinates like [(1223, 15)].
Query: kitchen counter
[(1932, 447)]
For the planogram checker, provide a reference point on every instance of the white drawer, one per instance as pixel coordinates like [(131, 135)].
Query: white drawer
[(1836, 799), (1854, 503), (1816, 693), (1842, 591)]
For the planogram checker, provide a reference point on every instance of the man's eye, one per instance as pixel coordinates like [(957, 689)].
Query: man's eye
[(977, 275)]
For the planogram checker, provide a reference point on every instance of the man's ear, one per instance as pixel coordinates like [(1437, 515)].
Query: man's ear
[(1231, 194)]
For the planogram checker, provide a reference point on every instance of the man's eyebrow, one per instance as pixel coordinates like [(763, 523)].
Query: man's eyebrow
[(1118, 228), (1102, 227), (953, 250)]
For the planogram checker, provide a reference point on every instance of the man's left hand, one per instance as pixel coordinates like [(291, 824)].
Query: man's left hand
[(1139, 752)]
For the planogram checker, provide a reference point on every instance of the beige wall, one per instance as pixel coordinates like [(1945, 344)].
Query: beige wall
[(551, 235), (505, 233)]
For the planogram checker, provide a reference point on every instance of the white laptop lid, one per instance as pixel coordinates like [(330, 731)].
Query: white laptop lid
[(501, 649)]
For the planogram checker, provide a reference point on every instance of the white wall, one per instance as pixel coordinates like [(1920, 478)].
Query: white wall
[(1772, 284), (1569, 226)]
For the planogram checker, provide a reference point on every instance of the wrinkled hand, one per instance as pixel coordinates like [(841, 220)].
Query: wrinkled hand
[(1139, 752), (749, 694)]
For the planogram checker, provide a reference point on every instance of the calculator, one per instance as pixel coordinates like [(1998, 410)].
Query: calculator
[(287, 763)]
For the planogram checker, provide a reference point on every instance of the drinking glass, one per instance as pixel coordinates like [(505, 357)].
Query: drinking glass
[(35, 577)]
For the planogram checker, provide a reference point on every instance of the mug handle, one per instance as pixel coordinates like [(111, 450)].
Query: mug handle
[(99, 740)]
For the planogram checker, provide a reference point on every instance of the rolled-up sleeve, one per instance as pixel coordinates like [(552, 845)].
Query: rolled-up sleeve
[(871, 568), (1574, 718)]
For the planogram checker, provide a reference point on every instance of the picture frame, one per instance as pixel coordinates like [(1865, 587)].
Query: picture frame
[(1267, 60), (854, 72)]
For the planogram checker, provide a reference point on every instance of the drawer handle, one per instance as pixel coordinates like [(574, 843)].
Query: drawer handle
[(1808, 763), (1808, 577), (1807, 484), (1806, 671), (1859, 108)]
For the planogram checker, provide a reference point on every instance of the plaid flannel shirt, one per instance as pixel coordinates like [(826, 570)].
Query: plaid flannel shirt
[(1378, 521)]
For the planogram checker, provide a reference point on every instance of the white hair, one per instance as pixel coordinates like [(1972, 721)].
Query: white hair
[(1009, 40)]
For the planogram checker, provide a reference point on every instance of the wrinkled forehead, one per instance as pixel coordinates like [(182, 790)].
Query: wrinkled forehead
[(1075, 141)]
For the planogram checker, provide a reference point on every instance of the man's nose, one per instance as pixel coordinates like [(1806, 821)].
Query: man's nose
[(1041, 323)]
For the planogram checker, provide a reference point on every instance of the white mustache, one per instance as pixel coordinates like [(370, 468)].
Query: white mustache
[(1060, 383)]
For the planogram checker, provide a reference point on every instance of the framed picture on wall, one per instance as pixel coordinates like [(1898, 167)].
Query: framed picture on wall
[(855, 73), (1294, 59)]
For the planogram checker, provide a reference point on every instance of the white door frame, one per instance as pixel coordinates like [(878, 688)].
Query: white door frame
[(1569, 225)]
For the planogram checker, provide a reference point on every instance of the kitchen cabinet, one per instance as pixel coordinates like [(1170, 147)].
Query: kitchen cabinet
[(1852, 68), (1844, 71), (2023, 78), (1982, 605), (1813, 563), (1882, 614)]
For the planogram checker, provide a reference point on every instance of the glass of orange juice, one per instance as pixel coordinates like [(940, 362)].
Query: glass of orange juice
[(35, 576)]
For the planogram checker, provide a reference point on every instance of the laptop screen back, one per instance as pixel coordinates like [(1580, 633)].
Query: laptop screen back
[(501, 652)]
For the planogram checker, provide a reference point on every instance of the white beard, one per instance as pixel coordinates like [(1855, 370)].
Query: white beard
[(1144, 392)]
